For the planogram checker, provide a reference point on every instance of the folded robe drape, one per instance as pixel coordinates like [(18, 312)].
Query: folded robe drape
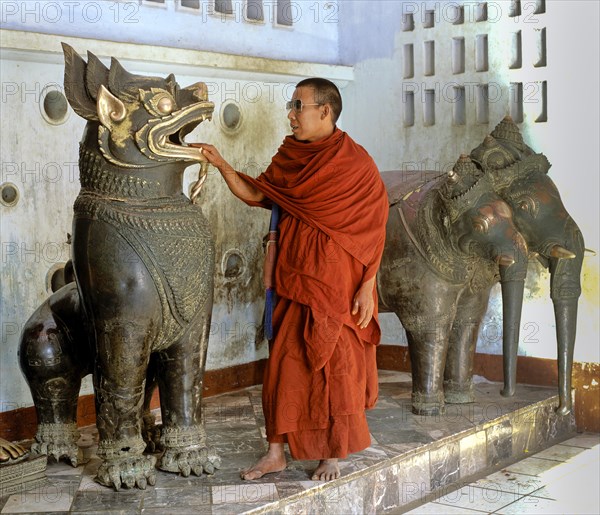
[(321, 373)]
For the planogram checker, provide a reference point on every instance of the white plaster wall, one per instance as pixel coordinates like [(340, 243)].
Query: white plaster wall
[(374, 100), (312, 37), (40, 159)]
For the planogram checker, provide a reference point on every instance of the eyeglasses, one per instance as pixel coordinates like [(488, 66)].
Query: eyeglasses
[(297, 105)]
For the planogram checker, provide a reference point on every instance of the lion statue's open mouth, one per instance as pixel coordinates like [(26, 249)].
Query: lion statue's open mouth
[(165, 138)]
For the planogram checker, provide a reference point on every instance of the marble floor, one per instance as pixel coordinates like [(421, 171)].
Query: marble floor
[(426, 450)]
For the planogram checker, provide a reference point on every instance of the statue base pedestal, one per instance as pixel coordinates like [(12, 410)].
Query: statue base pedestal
[(22, 475)]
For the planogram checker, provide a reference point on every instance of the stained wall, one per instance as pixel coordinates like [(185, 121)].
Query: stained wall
[(401, 80)]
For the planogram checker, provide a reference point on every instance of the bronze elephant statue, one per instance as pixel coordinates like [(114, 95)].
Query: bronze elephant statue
[(442, 329), (138, 313), (520, 176), (449, 239)]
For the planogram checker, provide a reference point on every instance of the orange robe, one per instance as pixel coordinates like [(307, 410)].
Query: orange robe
[(321, 373)]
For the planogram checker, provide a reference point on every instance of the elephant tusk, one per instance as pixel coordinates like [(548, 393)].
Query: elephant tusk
[(560, 252), (503, 260), (590, 252)]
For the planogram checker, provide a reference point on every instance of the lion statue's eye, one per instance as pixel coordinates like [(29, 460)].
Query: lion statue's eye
[(165, 105), (158, 102)]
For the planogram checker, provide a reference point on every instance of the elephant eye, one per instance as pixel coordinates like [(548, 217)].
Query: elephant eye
[(481, 225), (528, 205)]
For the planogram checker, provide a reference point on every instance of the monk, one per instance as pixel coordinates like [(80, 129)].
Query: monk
[(321, 374)]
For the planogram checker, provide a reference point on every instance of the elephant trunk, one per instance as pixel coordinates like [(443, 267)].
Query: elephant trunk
[(565, 312), (565, 289), (512, 302)]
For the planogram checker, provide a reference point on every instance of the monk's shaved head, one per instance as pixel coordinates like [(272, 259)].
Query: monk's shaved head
[(326, 92)]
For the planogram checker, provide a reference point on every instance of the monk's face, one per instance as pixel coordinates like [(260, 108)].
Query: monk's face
[(314, 121)]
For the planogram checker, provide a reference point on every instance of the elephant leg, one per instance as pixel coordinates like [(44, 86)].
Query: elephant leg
[(54, 360), (123, 304), (428, 345), (180, 375), (151, 431), (458, 374)]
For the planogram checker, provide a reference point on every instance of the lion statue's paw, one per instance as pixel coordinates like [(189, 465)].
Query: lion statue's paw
[(185, 462), (58, 441), (128, 472)]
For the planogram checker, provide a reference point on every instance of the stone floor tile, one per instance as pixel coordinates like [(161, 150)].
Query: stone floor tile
[(510, 482), (36, 501), (434, 508), (535, 466), (579, 481), (587, 440), (560, 453), (248, 492), (474, 498), (536, 505)]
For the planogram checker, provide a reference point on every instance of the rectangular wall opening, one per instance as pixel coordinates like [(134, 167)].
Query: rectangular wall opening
[(223, 6), (516, 51), (541, 48), (429, 19), (481, 11), (409, 61), (540, 7), (190, 4), (408, 108), (515, 103), (429, 58), (515, 8), (457, 14), (459, 107), (429, 108), (408, 22), (542, 98), (458, 55), (482, 103), (285, 12), (481, 53), (254, 10)]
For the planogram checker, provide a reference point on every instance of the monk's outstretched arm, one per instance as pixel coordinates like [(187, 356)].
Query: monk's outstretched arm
[(241, 189)]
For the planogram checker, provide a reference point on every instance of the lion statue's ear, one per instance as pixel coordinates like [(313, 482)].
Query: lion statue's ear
[(75, 77), (110, 109)]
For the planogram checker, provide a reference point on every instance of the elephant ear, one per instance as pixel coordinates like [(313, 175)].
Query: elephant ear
[(74, 82)]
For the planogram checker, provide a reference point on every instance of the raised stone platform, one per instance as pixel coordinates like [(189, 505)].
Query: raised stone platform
[(411, 457)]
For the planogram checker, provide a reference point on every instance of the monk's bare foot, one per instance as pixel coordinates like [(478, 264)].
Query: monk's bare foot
[(327, 470), (273, 461)]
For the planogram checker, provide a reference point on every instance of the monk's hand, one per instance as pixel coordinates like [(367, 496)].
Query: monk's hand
[(363, 304), (212, 155)]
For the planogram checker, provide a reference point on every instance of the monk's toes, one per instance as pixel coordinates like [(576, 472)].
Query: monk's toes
[(325, 476), (251, 474)]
